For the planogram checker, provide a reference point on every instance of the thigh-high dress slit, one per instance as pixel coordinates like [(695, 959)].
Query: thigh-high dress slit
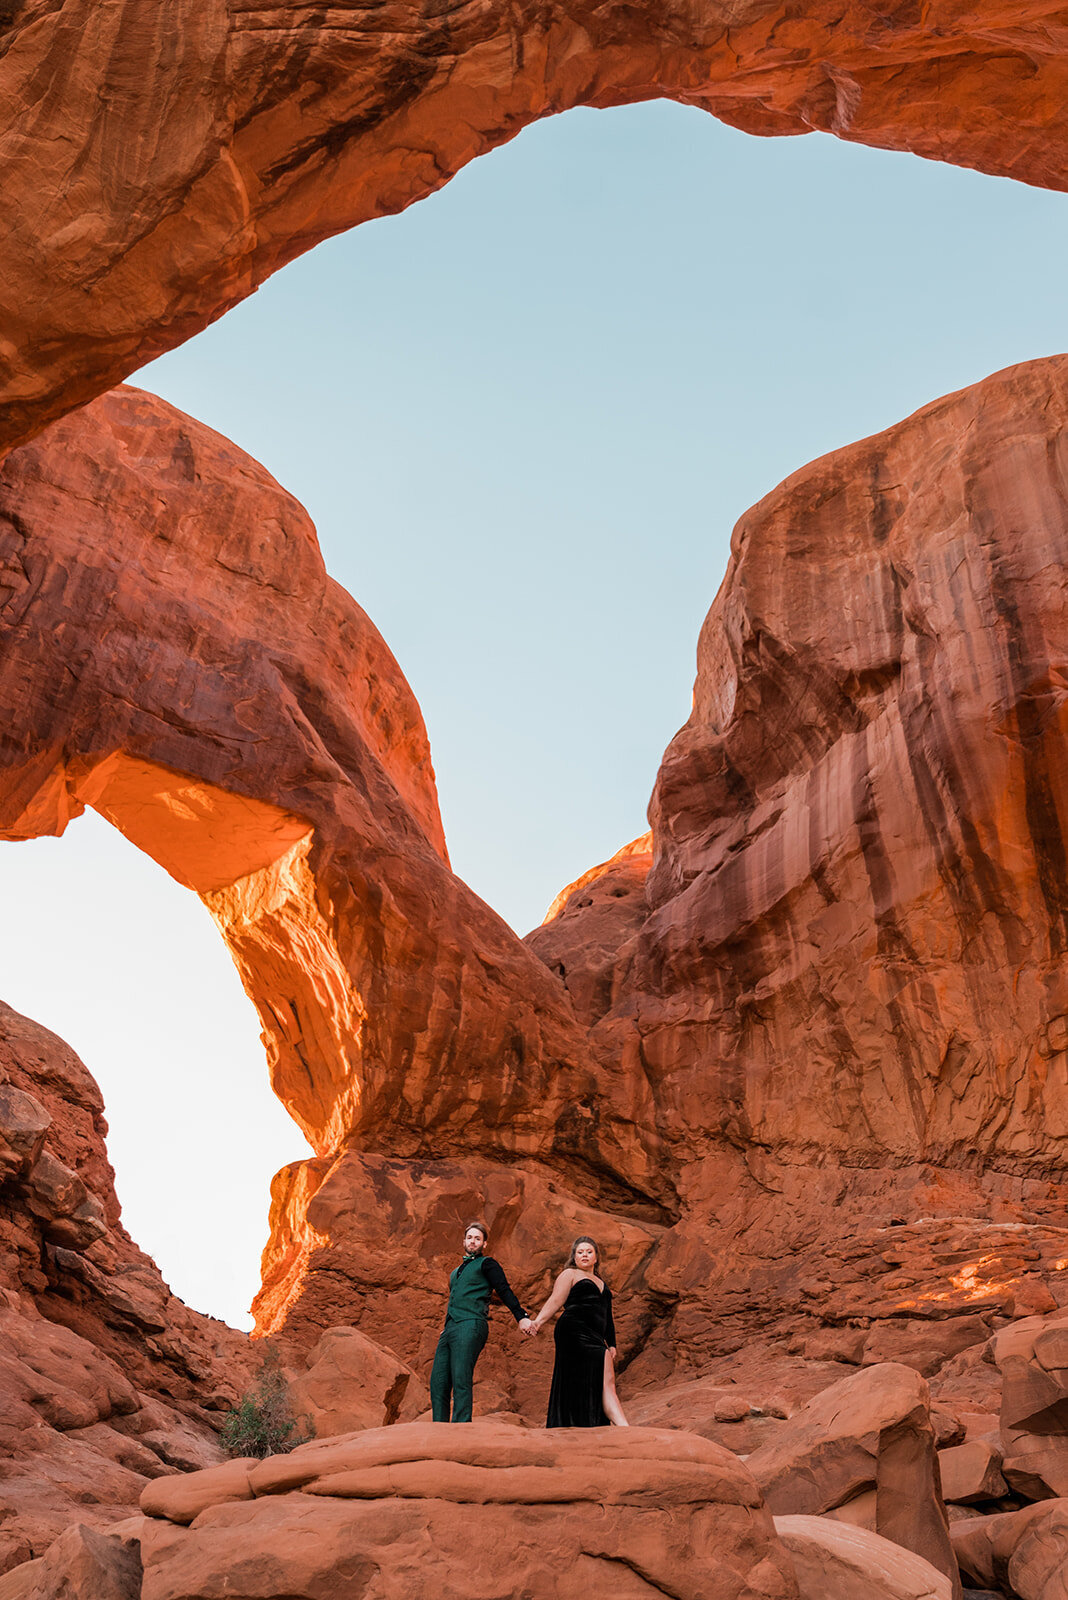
[(584, 1331)]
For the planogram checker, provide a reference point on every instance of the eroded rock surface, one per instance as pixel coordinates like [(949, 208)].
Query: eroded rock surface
[(106, 1380), (847, 987), (871, 1431), (476, 1511), (833, 1562), (173, 654), (205, 145)]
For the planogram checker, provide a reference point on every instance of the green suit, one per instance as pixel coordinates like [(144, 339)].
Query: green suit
[(465, 1333)]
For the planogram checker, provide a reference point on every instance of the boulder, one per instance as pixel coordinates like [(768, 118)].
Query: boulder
[(181, 1498), (1032, 1357), (488, 1509), (871, 1430), (835, 1562), (1024, 1553), (925, 1345), (352, 1383), (83, 1564), (971, 1472)]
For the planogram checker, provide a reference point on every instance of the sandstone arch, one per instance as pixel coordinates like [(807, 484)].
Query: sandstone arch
[(173, 654), (205, 145)]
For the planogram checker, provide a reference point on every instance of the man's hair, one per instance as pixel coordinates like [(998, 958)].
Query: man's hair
[(481, 1226)]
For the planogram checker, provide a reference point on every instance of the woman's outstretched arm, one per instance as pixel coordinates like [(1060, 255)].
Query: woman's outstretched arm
[(556, 1299)]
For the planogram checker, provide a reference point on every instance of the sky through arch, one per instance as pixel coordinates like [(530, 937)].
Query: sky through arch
[(525, 415)]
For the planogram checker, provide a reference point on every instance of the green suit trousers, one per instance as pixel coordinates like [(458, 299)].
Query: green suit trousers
[(452, 1375)]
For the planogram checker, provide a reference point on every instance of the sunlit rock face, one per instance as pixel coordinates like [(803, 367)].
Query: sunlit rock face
[(173, 654), (847, 984), (205, 145)]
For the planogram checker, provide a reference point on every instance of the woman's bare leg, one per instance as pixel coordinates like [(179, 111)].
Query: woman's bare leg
[(609, 1399)]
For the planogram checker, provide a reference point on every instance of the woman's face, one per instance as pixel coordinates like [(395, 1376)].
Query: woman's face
[(585, 1257)]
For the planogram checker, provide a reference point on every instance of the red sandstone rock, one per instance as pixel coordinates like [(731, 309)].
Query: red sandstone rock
[(102, 1372), (82, 1564), (971, 1472), (926, 1346), (327, 1218), (1032, 1357), (870, 1430), (289, 782), (859, 1512), (182, 1499), (481, 1510), (861, 817), (805, 1200), (353, 1383), (603, 911), (230, 140), (1024, 1553), (732, 1408), (834, 1562)]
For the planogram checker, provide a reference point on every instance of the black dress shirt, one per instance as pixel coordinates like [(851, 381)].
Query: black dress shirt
[(493, 1273)]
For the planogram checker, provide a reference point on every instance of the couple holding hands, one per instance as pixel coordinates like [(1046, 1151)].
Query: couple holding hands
[(583, 1393)]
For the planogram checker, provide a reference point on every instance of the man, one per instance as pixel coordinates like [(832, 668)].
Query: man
[(467, 1325)]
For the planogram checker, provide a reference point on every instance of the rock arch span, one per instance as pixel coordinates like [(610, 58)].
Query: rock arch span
[(173, 654), (207, 144)]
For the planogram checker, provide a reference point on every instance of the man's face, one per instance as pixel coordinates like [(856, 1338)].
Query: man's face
[(473, 1242)]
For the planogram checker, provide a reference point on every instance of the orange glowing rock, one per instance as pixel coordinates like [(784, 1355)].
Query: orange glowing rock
[(234, 139)]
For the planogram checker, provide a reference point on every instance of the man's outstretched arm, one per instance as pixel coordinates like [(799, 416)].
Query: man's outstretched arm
[(494, 1274)]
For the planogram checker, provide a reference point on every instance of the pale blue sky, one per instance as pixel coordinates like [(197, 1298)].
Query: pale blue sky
[(524, 415)]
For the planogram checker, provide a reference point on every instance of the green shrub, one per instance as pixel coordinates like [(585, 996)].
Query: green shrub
[(262, 1423)]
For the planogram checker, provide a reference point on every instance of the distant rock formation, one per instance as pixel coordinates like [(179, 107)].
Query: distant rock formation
[(106, 1379)]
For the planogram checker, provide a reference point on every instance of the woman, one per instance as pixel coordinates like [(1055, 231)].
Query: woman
[(583, 1393)]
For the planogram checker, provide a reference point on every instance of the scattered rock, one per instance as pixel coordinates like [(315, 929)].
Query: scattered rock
[(871, 1430), (731, 1408), (925, 1345), (949, 1428), (971, 1472), (352, 1383), (1024, 1553), (1034, 1405), (836, 1562), (82, 1564)]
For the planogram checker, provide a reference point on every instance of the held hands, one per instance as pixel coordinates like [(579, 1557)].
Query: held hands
[(529, 1327)]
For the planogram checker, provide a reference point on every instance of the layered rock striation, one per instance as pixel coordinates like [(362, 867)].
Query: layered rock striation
[(483, 1510), (106, 1379), (843, 974)]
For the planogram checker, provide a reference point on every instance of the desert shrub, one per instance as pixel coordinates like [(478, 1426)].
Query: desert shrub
[(262, 1423)]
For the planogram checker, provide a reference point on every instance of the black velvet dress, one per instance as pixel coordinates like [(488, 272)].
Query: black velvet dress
[(584, 1331)]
